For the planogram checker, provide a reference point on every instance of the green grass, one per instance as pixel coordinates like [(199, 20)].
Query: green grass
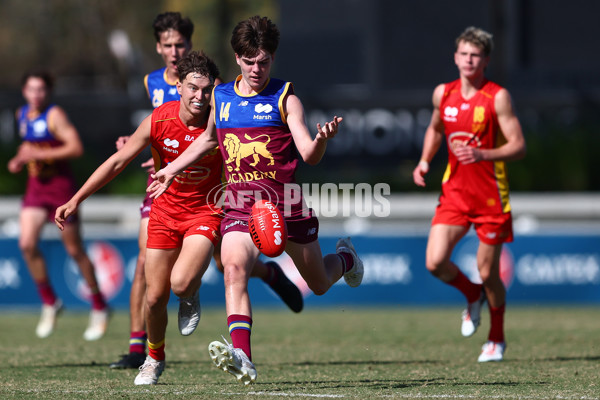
[(553, 353)]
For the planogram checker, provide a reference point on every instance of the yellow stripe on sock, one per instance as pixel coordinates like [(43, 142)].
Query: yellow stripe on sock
[(155, 346), (239, 325)]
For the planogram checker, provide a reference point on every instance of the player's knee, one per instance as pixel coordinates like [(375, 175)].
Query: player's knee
[(488, 277), (156, 301), (75, 251), (433, 266), (234, 275), (318, 288), (180, 286), (28, 249)]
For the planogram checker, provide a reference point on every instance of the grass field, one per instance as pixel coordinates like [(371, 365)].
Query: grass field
[(553, 353)]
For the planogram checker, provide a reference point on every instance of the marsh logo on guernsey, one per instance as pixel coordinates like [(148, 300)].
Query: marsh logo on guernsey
[(171, 143), (466, 259), (262, 109), (109, 267), (450, 113)]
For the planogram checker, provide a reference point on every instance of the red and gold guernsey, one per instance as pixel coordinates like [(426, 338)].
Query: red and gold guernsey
[(257, 146), (188, 193), (482, 187)]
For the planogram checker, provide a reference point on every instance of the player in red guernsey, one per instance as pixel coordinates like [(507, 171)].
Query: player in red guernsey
[(475, 118), (49, 141), (184, 223), (173, 35), (265, 111)]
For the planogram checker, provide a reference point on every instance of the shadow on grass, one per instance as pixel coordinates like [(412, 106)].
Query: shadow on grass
[(387, 384), (558, 359)]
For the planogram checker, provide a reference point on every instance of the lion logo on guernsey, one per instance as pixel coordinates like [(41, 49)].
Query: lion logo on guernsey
[(237, 151)]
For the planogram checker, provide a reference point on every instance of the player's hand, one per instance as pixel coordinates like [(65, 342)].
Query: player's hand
[(419, 173), (161, 183), (27, 153), (63, 212), (121, 141), (149, 165), (467, 154), (15, 165), (329, 130)]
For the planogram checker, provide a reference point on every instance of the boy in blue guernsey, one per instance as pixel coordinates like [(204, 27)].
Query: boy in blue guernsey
[(259, 125)]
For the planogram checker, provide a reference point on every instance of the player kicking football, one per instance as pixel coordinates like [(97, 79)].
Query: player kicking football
[(258, 123)]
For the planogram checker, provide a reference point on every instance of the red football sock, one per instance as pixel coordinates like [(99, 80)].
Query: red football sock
[(157, 350), (472, 291), (347, 261), (271, 277), (240, 328), (46, 292), (98, 302), (137, 342), (497, 324)]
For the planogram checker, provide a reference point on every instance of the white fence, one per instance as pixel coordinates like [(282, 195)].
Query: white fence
[(408, 214)]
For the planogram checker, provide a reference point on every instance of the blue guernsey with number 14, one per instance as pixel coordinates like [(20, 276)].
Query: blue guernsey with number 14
[(258, 149)]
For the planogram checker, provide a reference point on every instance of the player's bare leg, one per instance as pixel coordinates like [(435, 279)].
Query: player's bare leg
[(488, 262), (137, 297), (158, 288), (99, 315), (440, 245), (186, 277), (272, 274), (320, 273), (32, 220), (239, 255)]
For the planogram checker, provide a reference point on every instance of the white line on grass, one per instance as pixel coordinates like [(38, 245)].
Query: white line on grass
[(412, 396), (165, 391), (333, 396)]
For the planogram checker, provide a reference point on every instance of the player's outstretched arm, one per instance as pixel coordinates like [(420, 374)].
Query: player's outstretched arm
[(311, 150), (106, 171)]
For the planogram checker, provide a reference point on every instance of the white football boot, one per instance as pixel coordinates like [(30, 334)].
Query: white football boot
[(97, 325), (149, 372), (48, 319), (188, 316), (353, 277), (471, 316), (232, 360), (492, 351)]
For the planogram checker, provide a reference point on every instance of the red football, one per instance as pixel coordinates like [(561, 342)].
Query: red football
[(267, 228)]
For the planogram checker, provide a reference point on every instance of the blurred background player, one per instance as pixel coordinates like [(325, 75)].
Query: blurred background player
[(173, 35), (282, 129), (475, 117), (49, 141), (184, 224)]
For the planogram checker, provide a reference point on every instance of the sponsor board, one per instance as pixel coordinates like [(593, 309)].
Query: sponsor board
[(535, 269)]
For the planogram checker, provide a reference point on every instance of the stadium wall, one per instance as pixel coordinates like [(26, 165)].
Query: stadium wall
[(537, 269)]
